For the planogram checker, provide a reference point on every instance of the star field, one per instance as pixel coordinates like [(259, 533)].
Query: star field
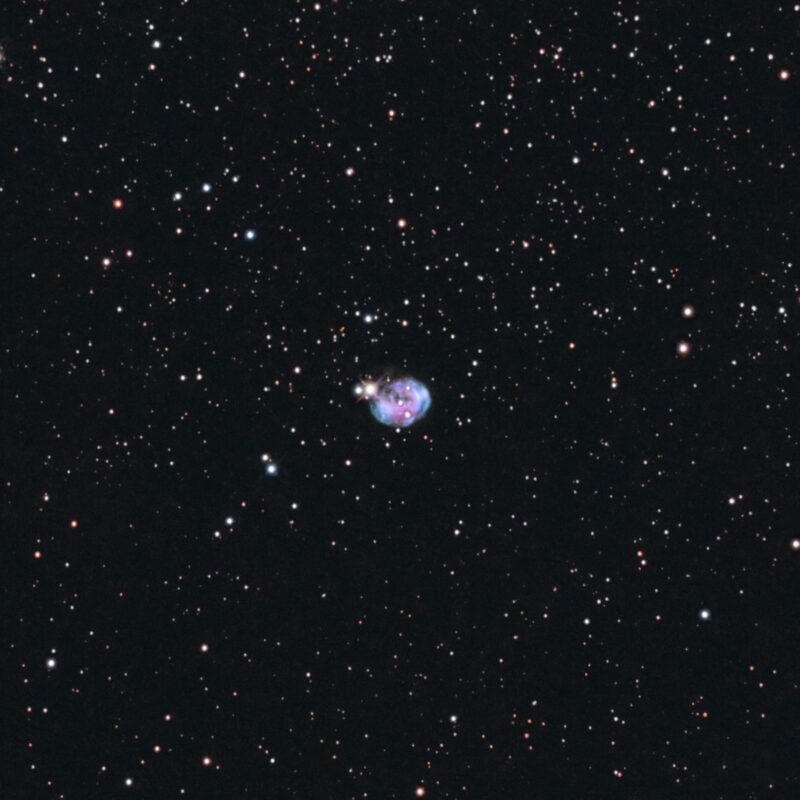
[(575, 225)]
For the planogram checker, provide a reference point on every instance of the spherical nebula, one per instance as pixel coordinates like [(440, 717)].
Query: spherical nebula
[(399, 402)]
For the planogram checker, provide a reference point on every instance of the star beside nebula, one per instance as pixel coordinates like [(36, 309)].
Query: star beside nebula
[(365, 389)]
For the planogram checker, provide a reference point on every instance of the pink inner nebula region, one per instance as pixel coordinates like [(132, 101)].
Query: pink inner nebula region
[(400, 402)]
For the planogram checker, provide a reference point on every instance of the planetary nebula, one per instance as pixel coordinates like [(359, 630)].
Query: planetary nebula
[(399, 402)]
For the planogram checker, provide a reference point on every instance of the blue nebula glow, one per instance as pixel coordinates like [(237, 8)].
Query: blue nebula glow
[(399, 402)]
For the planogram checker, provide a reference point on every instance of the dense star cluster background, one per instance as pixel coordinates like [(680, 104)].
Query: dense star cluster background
[(576, 224)]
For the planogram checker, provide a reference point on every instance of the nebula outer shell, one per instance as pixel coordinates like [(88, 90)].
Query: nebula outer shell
[(400, 402)]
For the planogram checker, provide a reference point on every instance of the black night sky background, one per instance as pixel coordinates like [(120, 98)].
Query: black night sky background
[(223, 225)]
